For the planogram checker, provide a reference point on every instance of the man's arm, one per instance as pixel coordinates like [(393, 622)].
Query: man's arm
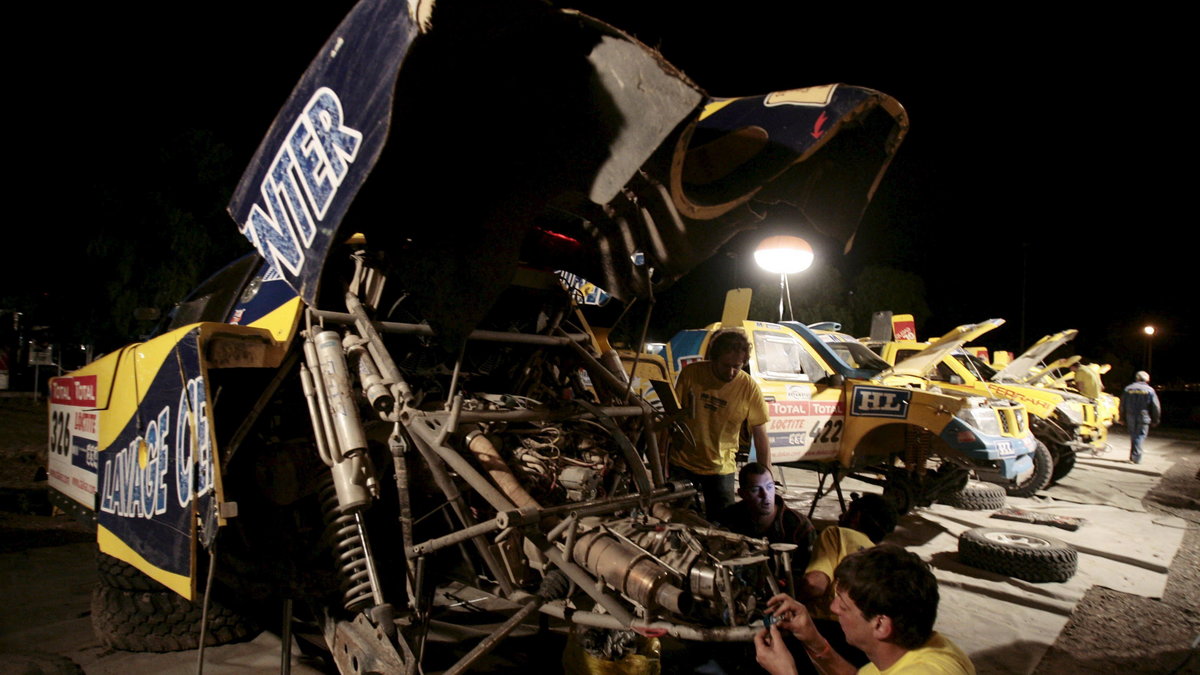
[(794, 617), (762, 446), (812, 586), (1155, 409)]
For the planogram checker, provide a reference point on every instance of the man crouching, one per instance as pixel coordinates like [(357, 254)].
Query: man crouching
[(885, 599)]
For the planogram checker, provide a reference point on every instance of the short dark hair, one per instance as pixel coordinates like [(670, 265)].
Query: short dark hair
[(726, 341), (873, 515), (750, 470), (890, 581)]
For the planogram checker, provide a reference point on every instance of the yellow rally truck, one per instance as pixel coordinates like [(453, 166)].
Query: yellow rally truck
[(844, 420), (1065, 422)]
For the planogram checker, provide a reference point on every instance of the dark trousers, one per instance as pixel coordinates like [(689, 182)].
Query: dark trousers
[(717, 489)]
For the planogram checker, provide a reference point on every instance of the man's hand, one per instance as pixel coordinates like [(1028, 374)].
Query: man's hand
[(772, 654), (794, 617)]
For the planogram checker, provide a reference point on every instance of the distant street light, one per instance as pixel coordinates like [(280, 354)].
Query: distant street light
[(1149, 331), (783, 255)]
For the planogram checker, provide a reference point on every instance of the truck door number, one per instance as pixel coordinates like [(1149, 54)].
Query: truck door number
[(829, 432), (60, 435)]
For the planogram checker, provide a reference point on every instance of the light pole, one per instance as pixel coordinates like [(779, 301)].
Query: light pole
[(784, 254), (1149, 331)]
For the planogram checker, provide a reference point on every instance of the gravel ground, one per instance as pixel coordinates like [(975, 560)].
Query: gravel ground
[(1110, 632)]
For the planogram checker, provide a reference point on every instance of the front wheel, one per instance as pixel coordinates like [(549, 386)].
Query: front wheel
[(976, 496), (143, 621), (1063, 464), (1029, 483)]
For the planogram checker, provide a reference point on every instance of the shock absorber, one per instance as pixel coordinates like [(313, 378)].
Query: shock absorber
[(348, 489)]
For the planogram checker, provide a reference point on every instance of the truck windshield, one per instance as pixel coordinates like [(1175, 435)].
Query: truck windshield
[(784, 357), (857, 355)]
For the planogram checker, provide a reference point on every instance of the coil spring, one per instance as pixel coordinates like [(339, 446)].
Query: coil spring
[(349, 553), (918, 444)]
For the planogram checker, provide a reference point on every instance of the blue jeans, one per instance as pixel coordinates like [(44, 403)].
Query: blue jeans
[(1138, 430)]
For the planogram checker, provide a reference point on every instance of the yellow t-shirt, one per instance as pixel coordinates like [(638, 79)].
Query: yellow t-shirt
[(938, 656), (834, 544), (717, 410)]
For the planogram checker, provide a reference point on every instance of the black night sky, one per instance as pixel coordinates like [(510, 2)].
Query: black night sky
[(1046, 153)]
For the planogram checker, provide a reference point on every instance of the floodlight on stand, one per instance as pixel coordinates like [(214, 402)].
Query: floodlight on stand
[(783, 255)]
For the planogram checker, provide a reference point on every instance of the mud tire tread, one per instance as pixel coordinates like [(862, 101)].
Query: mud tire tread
[(116, 573), (140, 621), (976, 496), (1055, 563)]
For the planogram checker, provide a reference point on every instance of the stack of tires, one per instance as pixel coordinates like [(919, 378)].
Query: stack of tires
[(133, 612)]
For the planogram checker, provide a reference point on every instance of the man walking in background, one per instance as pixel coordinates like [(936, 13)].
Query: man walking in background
[(1141, 410)]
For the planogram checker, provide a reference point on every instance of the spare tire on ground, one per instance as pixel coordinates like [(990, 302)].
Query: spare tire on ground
[(976, 496), (1021, 555), (141, 621)]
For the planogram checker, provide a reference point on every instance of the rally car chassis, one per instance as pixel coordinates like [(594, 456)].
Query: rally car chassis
[(629, 586)]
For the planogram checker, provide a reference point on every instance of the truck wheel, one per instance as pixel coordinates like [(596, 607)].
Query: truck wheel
[(976, 496), (140, 621), (117, 573), (1031, 557), (1039, 477), (1062, 465)]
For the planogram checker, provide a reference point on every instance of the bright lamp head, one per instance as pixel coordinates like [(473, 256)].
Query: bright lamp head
[(784, 254)]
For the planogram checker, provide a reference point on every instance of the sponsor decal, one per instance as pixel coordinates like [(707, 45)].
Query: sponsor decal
[(1004, 448), (302, 182), (797, 392), (76, 391), (880, 402), (1022, 397), (584, 291), (71, 461), (805, 429), (818, 129), (137, 476)]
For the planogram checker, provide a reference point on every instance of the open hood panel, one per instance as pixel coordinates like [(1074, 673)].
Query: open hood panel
[(1019, 368), (499, 133), (922, 363)]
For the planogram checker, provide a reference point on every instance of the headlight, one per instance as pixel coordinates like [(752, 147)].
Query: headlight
[(1072, 411), (983, 419)]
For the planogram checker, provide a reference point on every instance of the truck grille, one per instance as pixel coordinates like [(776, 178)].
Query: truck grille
[(1014, 420)]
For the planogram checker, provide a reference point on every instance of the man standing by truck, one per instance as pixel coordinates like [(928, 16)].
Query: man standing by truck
[(1140, 410), (718, 396)]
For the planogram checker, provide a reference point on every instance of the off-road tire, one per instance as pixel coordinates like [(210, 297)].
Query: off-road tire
[(1043, 466), (1062, 466), (116, 573), (1032, 557), (976, 496), (140, 621)]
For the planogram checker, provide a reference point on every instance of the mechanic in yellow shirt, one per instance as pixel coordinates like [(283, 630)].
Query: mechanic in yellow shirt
[(718, 396), (886, 602), (1087, 379)]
